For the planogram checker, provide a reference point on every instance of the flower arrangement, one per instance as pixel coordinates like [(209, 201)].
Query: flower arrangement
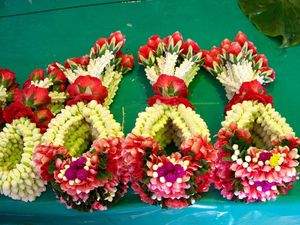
[(161, 177), (81, 152), (257, 155), (24, 116)]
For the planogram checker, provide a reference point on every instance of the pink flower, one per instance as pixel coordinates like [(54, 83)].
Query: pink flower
[(98, 206), (176, 203), (42, 157)]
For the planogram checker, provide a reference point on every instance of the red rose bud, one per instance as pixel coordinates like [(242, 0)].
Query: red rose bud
[(241, 38), (100, 42), (235, 48), (119, 54), (153, 42), (204, 53), (144, 52), (215, 51), (43, 117), (119, 38), (57, 76), (27, 83), (170, 86), (270, 70), (226, 44), (252, 47), (33, 97), (52, 67), (88, 85), (17, 110), (190, 44), (263, 58), (176, 38), (127, 61), (37, 74), (7, 78), (83, 61), (209, 61)]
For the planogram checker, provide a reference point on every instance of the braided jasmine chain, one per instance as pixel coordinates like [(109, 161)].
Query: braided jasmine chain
[(18, 176), (268, 123), (92, 117)]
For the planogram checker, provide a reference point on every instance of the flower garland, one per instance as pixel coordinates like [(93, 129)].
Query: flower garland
[(170, 179), (81, 152), (257, 150), (24, 117)]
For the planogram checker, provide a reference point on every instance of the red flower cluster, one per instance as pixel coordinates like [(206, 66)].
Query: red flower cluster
[(155, 43), (86, 88), (117, 37), (17, 110), (235, 48), (252, 90)]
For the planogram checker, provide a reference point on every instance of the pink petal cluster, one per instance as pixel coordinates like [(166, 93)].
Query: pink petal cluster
[(263, 176)]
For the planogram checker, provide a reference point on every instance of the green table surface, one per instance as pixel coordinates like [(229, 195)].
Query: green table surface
[(34, 33)]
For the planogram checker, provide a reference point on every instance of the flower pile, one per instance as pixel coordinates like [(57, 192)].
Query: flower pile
[(172, 178), (81, 154), (257, 151)]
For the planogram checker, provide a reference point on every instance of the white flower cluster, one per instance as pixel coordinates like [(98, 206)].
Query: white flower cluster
[(74, 125), (3, 95), (234, 75), (165, 123), (45, 83), (57, 97), (167, 65), (264, 123), (18, 176)]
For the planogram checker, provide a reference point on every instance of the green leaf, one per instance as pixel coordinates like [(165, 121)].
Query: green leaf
[(275, 18)]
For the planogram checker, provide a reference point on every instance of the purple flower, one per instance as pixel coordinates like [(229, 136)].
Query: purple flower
[(265, 185), (170, 172), (76, 170), (264, 156)]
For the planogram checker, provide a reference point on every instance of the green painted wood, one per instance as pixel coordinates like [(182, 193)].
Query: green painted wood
[(34, 40)]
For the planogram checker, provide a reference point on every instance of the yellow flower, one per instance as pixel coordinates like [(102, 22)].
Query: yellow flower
[(274, 160)]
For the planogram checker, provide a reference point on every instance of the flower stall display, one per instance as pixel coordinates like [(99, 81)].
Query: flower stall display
[(24, 116), (170, 178), (257, 150), (81, 152)]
